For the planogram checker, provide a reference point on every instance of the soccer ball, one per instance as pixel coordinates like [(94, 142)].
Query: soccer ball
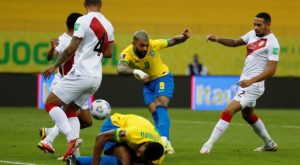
[(100, 109)]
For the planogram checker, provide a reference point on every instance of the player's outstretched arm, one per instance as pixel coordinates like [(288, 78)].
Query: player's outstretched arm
[(99, 144), (225, 41), (179, 38)]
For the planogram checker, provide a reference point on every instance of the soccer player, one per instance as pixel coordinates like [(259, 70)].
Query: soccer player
[(142, 59), (125, 139), (92, 40), (261, 62), (48, 135)]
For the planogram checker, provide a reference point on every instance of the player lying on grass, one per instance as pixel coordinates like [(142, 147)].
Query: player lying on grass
[(125, 139)]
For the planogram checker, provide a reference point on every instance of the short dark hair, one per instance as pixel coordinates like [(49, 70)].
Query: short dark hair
[(265, 16), (153, 151), (92, 2), (140, 35), (72, 19)]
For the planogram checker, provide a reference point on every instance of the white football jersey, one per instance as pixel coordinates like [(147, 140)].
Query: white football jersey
[(96, 32), (63, 42), (259, 51)]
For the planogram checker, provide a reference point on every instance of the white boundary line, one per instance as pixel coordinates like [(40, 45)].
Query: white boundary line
[(238, 124), (18, 163)]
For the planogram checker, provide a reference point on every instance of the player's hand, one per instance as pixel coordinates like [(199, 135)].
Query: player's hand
[(186, 33), (139, 74), (245, 83), (47, 73), (54, 42), (212, 37)]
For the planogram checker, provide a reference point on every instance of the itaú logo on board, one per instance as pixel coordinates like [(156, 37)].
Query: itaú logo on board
[(207, 95)]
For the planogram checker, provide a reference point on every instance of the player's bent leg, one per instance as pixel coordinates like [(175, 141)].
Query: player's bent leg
[(221, 126), (47, 135), (163, 123), (259, 128)]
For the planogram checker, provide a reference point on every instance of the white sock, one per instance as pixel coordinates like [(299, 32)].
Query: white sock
[(219, 129), (51, 134), (75, 124), (61, 121), (260, 129)]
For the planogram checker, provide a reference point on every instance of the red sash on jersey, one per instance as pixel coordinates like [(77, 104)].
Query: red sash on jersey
[(256, 45)]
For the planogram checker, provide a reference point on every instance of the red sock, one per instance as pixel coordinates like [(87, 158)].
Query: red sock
[(225, 116), (253, 119), (48, 107), (71, 114)]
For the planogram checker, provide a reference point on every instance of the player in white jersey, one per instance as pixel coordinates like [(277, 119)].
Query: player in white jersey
[(48, 135), (260, 64), (92, 40)]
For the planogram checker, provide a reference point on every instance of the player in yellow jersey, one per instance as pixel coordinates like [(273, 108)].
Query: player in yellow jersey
[(130, 139), (142, 59)]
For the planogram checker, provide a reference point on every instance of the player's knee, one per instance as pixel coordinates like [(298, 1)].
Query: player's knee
[(162, 101)]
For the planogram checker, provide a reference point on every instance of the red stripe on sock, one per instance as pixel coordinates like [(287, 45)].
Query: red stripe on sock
[(253, 119), (71, 114), (48, 107), (225, 116)]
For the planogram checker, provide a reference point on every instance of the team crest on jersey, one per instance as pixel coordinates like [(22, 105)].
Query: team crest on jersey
[(76, 26), (152, 52), (122, 134)]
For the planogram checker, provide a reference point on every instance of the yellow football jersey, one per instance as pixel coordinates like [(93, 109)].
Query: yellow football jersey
[(135, 130), (151, 63)]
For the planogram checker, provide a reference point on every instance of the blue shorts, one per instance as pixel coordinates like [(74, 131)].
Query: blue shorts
[(163, 86), (106, 126)]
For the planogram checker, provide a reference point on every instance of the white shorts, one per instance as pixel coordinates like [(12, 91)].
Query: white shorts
[(77, 88), (248, 96), (57, 78)]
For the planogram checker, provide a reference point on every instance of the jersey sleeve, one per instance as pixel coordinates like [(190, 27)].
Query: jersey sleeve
[(245, 38), (273, 51), (79, 28), (160, 43), (124, 56), (124, 134)]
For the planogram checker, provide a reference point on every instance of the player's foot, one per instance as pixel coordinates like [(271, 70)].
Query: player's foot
[(169, 150), (270, 146), (206, 148), (43, 133), (46, 147), (72, 146), (71, 160)]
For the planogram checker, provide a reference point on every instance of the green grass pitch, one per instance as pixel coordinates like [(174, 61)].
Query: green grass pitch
[(189, 130)]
